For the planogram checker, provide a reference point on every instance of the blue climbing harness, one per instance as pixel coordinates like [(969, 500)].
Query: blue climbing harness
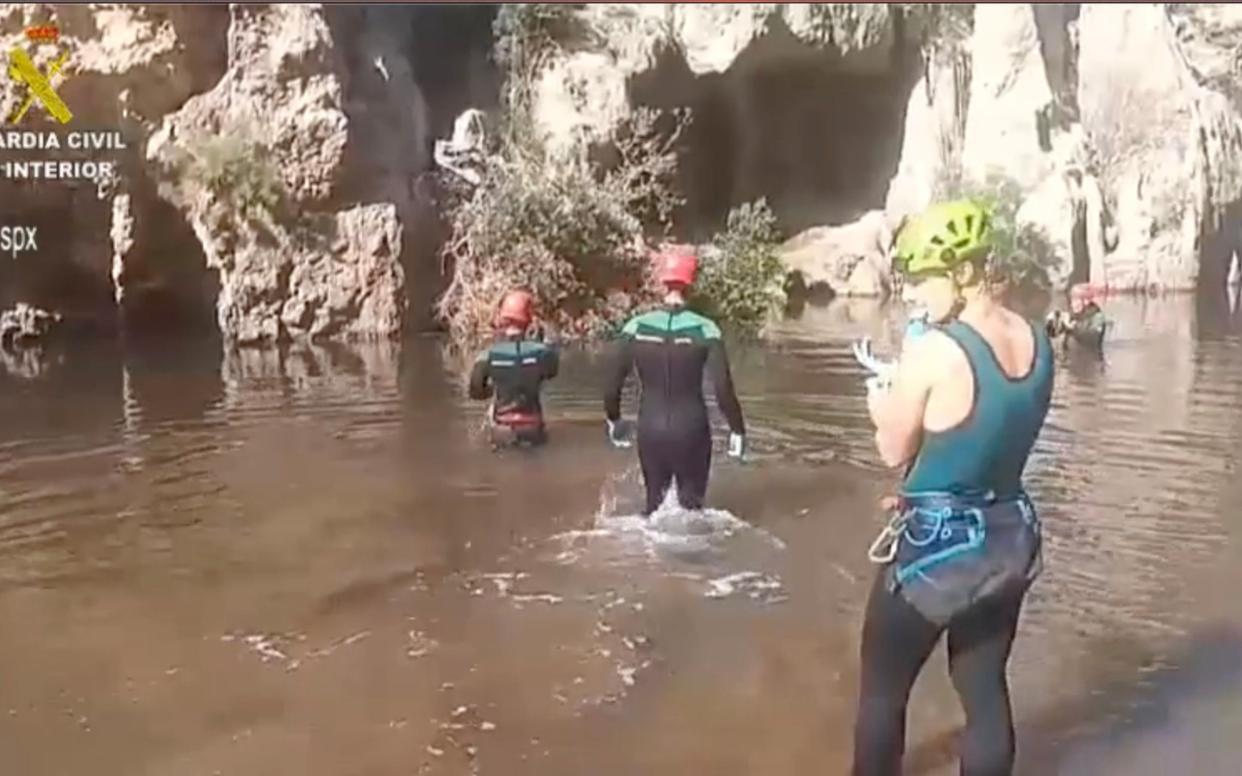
[(944, 552)]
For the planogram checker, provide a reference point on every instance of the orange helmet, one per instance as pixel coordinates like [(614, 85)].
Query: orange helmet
[(677, 265), (516, 308)]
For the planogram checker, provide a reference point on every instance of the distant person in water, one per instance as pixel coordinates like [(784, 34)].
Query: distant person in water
[(963, 408), (1084, 325), (670, 348), (512, 372)]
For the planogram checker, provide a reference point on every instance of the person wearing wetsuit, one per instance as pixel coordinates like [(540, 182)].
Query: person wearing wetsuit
[(512, 372), (964, 408), (671, 348), (1085, 324)]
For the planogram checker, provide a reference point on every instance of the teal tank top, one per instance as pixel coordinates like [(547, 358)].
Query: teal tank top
[(988, 450)]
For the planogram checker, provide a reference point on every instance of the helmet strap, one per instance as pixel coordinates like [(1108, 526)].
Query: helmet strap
[(959, 299)]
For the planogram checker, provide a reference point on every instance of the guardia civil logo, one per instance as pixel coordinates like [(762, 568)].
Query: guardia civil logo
[(38, 84)]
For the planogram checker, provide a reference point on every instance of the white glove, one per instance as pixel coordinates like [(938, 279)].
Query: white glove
[(619, 433), (864, 355), (737, 446)]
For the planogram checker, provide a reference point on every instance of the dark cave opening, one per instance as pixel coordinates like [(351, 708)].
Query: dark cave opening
[(448, 49), (168, 285), (816, 134), (1218, 301), (67, 273)]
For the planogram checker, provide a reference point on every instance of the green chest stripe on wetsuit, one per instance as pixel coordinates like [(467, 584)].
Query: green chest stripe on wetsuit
[(680, 327), (988, 450), (516, 353)]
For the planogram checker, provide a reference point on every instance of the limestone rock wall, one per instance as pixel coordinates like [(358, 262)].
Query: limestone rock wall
[(1122, 124), (328, 262), (125, 67), (331, 96), (799, 104)]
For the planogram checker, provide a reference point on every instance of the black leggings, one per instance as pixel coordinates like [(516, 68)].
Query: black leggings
[(684, 457), (896, 642)]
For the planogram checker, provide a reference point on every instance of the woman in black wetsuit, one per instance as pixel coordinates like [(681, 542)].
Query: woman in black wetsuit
[(670, 348)]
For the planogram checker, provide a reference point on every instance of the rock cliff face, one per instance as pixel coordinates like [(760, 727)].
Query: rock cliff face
[(126, 66), (326, 259), (1174, 125), (800, 104), (324, 98), (1121, 123)]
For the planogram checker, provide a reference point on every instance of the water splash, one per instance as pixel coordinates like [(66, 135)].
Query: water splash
[(765, 588), (669, 533)]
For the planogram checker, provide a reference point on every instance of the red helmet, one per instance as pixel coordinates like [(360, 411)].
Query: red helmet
[(677, 266), (1084, 291), (517, 308)]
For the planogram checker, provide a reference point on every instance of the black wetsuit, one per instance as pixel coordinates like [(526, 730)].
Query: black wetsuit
[(671, 349), (515, 370), (1085, 328)]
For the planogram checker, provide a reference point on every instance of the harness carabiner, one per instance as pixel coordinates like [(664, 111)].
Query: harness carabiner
[(888, 540)]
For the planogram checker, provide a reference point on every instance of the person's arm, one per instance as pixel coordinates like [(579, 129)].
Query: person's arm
[(551, 362), (618, 371), (722, 385), (898, 412), (480, 382)]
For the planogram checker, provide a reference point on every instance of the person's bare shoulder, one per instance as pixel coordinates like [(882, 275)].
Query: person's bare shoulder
[(933, 356), (935, 350), (1015, 322)]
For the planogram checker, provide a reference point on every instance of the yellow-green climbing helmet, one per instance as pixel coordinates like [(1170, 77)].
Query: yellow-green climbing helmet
[(942, 237), (906, 243)]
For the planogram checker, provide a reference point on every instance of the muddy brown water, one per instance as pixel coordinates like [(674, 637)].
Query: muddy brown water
[(310, 564)]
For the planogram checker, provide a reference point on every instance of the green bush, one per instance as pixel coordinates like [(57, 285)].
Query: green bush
[(741, 280), (523, 31), (525, 34), (572, 236), (236, 169), (1022, 257)]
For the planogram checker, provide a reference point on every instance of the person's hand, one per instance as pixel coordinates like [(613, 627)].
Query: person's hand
[(866, 357), (737, 446), (877, 393), (619, 433)]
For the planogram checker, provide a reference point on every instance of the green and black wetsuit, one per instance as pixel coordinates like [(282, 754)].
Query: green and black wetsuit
[(515, 371), (671, 349), (1085, 328), (1088, 326)]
